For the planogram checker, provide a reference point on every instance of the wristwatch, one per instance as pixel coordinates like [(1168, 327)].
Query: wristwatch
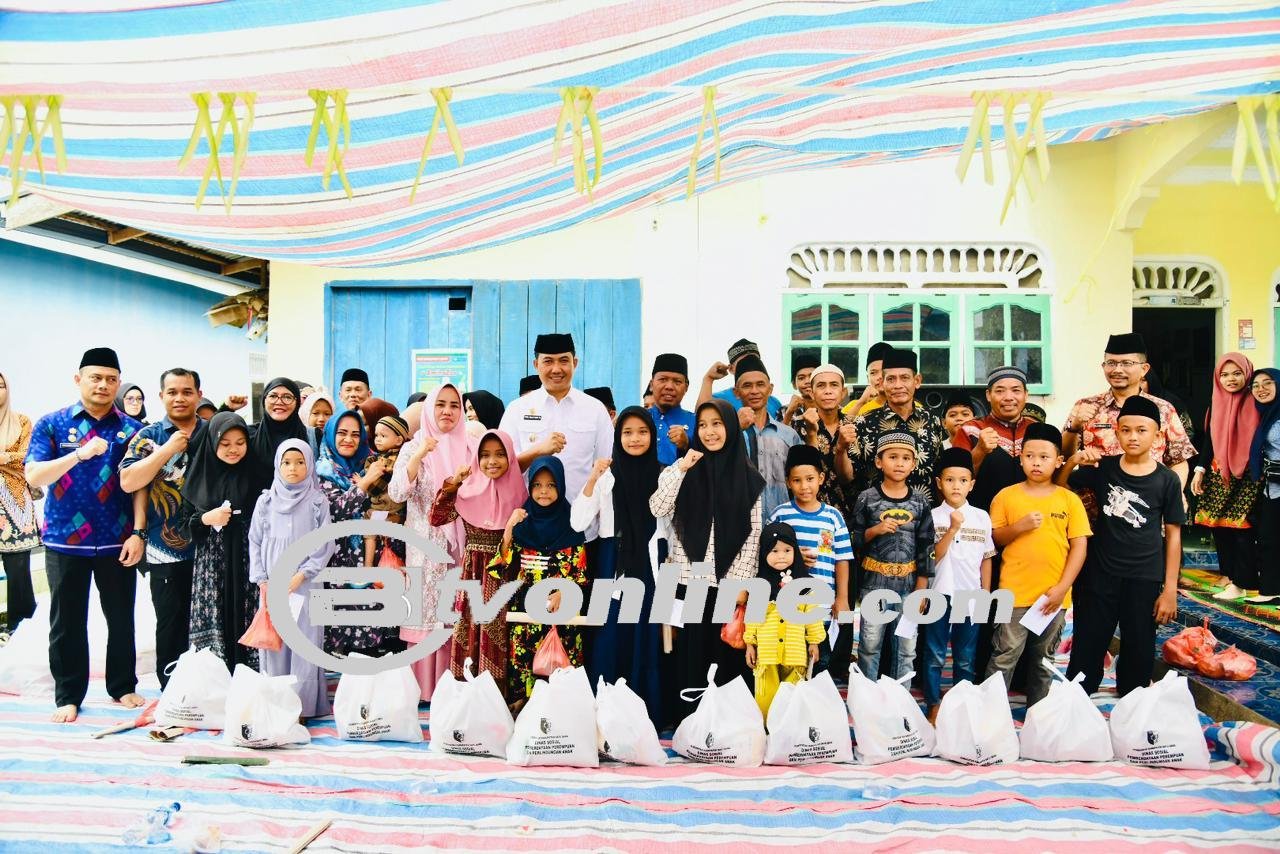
[(140, 532)]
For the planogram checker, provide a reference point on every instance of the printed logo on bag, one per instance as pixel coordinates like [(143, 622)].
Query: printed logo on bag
[(544, 726), (906, 725), (606, 747), (1152, 736), (977, 752), (814, 735), (364, 713), (458, 735), (710, 740), (246, 732)]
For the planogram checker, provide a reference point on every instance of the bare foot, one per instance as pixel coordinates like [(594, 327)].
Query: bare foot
[(933, 713), (65, 714), (131, 701)]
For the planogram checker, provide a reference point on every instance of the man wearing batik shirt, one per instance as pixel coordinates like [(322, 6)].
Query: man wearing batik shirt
[(996, 440), (1092, 422), (89, 533), (900, 414), (825, 427)]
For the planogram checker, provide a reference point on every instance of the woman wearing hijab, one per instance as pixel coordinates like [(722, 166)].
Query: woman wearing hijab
[(218, 497), (483, 495), (295, 505), (132, 402), (19, 533), (1227, 490), (616, 498), (712, 495), (345, 484), (436, 452), (539, 542), (1264, 467), (374, 410), (484, 407), (281, 401)]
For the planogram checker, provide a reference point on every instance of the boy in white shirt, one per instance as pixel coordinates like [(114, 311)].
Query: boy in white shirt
[(963, 550)]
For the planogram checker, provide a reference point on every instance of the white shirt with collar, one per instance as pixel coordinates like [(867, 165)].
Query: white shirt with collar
[(588, 432)]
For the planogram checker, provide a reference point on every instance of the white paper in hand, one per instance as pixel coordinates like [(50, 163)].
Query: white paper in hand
[(1035, 620), (296, 601), (906, 628)]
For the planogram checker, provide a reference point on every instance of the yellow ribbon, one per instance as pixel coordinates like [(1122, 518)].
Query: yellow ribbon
[(14, 134), (708, 115), (336, 125), (1272, 106), (578, 104), (442, 97), (1248, 140), (979, 131), (1017, 147), (204, 128)]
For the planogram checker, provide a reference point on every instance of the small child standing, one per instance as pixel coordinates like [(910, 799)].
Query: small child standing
[(1131, 576), (1043, 530), (962, 554), (389, 434), (540, 542), (817, 526), (893, 531), (294, 505), (780, 652)]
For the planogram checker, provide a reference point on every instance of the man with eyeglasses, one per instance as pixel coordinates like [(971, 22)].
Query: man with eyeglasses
[(1092, 422)]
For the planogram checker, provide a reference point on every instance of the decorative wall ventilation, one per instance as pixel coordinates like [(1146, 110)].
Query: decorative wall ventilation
[(914, 266), (1193, 282)]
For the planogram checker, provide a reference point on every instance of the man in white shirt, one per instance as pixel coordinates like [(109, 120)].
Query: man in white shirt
[(557, 418)]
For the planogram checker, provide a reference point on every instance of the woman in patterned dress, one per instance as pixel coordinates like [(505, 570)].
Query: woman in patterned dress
[(19, 531)]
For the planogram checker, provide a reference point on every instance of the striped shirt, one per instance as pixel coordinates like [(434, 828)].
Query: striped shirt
[(824, 531)]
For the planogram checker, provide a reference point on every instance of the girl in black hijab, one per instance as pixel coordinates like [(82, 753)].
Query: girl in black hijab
[(712, 495), (486, 408), (281, 400), (218, 497), (618, 498)]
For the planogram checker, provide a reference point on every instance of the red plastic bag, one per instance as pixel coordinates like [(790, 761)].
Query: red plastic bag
[(261, 634), (1231, 664), (1190, 646), (550, 655), (733, 631), (388, 557)]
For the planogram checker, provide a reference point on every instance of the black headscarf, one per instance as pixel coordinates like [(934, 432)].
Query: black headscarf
[(269, 434), (210, 481), (125, 389), (488, 407), (547, 529), (770, 537), (721, 488), (635, 480)]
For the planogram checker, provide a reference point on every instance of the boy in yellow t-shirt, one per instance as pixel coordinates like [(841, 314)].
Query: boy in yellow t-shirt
[(1042, 529)]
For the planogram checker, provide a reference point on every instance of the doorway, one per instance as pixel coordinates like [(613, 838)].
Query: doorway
[(1182, 350)]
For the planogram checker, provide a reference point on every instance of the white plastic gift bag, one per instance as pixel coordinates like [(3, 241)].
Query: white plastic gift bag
[(24, 660), (558, 724), (808, 724), (1159, 725), (725, 729), (263, 711), (1065, 726), (196, 696), (469, 718), (975, 725), (380, 707), (887, 722), (623, 729)]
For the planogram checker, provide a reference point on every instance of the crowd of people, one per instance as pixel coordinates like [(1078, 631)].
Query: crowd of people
[(872, 494)]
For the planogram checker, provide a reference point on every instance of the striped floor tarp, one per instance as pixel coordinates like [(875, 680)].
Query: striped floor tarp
[(62, 791)]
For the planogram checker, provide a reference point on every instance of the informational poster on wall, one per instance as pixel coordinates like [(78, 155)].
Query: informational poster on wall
[(432, 368)]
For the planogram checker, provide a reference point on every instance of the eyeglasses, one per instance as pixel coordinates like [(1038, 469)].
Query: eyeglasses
[(1261, 384), (280, 398), (1112, 364)]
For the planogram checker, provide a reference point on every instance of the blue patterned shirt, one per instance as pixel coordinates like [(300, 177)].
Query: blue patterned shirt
[(85, 511)]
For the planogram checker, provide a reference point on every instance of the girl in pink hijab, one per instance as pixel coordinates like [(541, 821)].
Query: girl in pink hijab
[(483, 495), (436, 452), (1222, 481)]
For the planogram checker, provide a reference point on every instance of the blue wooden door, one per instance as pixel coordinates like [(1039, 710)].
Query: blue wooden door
[(374, 325)]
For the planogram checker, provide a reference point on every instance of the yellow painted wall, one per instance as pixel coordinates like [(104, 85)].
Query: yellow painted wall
[(1238, 229)]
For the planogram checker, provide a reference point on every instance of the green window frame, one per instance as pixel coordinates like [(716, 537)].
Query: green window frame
[(957, 336)]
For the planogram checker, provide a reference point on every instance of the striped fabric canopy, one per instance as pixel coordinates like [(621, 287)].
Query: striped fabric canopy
[(798, 85)]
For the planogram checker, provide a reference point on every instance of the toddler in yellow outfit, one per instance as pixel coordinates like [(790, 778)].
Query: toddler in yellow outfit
[(780, 652)]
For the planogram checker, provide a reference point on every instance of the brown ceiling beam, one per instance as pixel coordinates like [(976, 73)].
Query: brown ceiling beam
[(117, 236), (241, 266)]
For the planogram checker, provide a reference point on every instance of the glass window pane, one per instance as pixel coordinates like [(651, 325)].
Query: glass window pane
[(935, 365), (846, 359), (1025, 324), (797, 352), (935, 324), (1031, 360), (988, 324), (986, 360), (842, 324), (806, 323), (898, 323)]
